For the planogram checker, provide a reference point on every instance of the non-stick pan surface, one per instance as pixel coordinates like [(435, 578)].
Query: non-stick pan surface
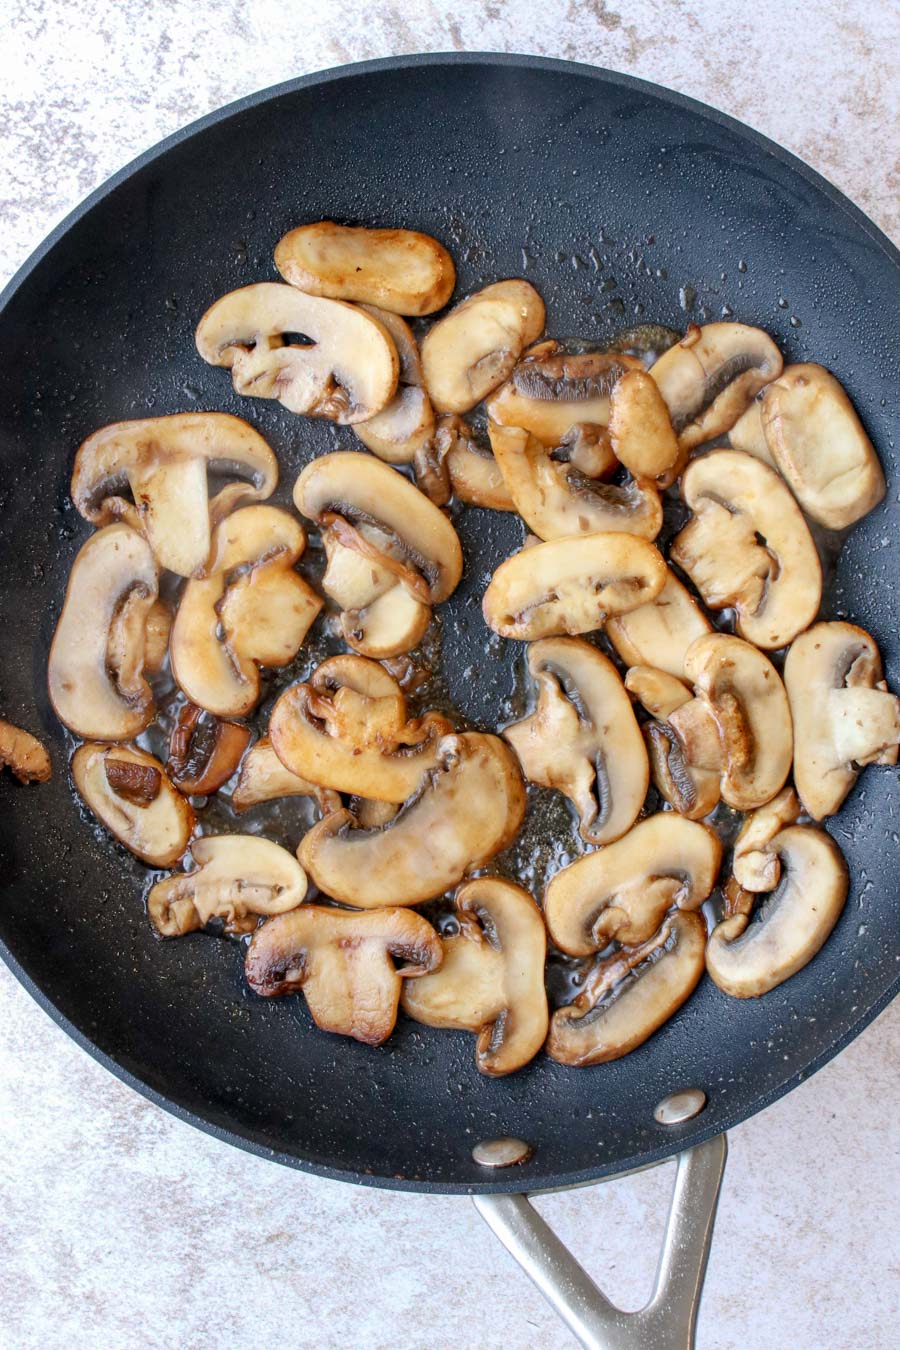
[(620, 202)]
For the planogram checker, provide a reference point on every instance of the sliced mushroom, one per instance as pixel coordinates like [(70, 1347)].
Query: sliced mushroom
[(621, 893), (130, 792), (583, 738), (455, 462), (263, 778), (474, 348), (640, 429), (347, 729), (251, 610), (345, 368), (572, 585), (659, 633), (238, 878), (811, 433), (844, 715), (629, 995), (550, 392), (95, 672), (658, 691), (406, 425), (747, 957), (491, 980), (204, 751), (748, 547), (402, 271), (555, 500), (754, 866), (380, 617), (164, 462), (157, 631), (709, 377), (23, 754), (465, 811), (344, 963)]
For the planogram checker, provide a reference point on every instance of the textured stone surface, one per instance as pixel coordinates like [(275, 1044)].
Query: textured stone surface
[(119, 1225)]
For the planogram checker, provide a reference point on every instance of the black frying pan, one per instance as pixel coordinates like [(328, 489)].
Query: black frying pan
[(619, 201)]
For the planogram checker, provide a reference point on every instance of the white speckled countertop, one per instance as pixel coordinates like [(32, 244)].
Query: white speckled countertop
[(120, 1226)]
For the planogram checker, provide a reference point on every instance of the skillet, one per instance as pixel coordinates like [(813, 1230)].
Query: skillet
[(620, 202)]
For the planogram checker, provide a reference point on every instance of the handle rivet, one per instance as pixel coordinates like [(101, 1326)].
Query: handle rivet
[(501, 1152), (680, 1106)]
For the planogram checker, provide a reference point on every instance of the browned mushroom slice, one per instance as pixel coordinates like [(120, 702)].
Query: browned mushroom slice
[(640, 429), (131, 794), (472, 349), (251, 610), (157, 631), (555, 500), (804, 425), (204, 751), (491, 980), (23, 754), (238, 878), (346, 370), (844, 715), (748, 547), (406, 425), (163, 464), (755, 866), (402, 271), (748, 957), (467, 809), (263, 778), (629, 995), (583, 738), (621, 893), (709, 377), (344, 963), (550, 392), (381, 614), (454, 462), (95, 672), (659, 633), (571, 585)]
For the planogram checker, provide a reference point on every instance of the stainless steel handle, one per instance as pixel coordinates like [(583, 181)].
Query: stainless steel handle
[(668, 1320)]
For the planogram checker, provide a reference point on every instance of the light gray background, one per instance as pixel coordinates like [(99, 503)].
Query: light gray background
[(122, 1227)]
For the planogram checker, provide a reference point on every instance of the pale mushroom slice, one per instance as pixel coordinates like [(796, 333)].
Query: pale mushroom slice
[(555, 499), (640, 429), (583, 738), (23, 754), (263, 778), (347, 729), (251, 610), (844, 715), (491, 980), (550, 392), (748, 956), (130, 792), (345, 367), (402, 271), (755, 867), (96, 668), (809, 430), (472, 350), (748, 547), (467, 808), (164, 463), (709, 377), (628, 996), (659, 633), (344, 963), (454, 462), (571, 585), (406, 425), (622, 892), (204, 750), (380, 616), (238, 878)]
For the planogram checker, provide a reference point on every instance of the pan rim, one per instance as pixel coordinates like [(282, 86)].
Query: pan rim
[(695, 1132)]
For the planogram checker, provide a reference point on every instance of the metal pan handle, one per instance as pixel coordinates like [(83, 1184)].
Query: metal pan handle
[(668, 1320)]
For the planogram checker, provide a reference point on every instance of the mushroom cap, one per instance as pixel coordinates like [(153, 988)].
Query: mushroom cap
[(844, 715), (250, 610), (775, 586), (572, 585), (583, 738), (95, 671), (466, 809), (359, 488), (264, 778), (406, 425), (455, 463), (238, 878), (622, 892), (472, 350), (346, 370), (401, 271), (491, 980), (629, 995), (748, 958), (164, 462), (555, 500), (639, 427), (550, 392), (130, 792), (659, 633)]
